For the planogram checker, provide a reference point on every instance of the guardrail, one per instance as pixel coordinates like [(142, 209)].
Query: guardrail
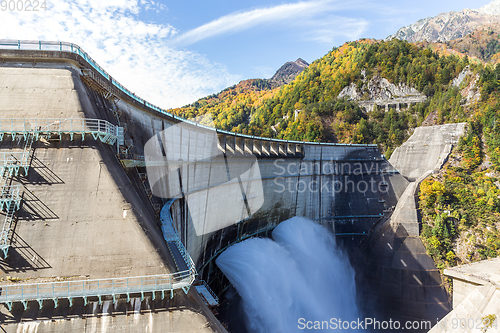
[(94, 288), (12, 161), (74, 48), (210, 291), (10, 196), (106, 287), (98, 128), (6, 228), (170, 235)]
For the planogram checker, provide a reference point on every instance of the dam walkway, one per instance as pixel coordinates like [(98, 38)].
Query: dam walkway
[(14, 162), (157, 285), (98, 128)]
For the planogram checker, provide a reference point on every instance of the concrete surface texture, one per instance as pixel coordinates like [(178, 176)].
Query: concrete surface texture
[(406, 213), (39, 92), (467, 277), (424, 153), (476, 298), (481, 272), (397, 279), (82, 216), (181, 314), (76, 218), (427, 149), (395, 276)]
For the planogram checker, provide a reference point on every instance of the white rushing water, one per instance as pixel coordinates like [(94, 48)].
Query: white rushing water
[(301, 273)]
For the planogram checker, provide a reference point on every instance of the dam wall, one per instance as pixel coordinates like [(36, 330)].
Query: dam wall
[(476, 298), (427, 149), (82, 216), (226, 188)]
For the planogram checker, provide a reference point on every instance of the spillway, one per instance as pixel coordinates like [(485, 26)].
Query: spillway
[(289, 282), (349, 189)]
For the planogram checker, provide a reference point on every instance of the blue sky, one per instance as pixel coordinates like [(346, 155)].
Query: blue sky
[(172, 52)]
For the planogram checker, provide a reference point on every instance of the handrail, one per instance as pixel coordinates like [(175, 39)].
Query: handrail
[(106, 287), (37, 126), (6, 228), (96, 287), (74, 48), (31, 125), (13, 158), (204, 283), (170, 234)]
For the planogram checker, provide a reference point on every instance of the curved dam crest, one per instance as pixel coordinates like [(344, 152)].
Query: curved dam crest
[(361, 193)]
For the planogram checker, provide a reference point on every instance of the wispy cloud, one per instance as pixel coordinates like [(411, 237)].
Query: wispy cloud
[(292, 14), (145, 57), (132, 51), (332, 28)]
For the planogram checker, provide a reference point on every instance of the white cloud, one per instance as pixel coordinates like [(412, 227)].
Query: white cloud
[(248, 19), (329, 29), (314, 15), (144, 56), (132, 51)]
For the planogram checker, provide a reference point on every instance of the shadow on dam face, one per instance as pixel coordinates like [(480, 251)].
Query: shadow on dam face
[(395, 278)]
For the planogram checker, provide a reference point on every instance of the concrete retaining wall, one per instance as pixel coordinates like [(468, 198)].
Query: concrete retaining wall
[(352, 209), (427, 149), (82, 217)]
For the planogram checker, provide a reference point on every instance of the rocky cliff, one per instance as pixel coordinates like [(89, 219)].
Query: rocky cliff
[(451, 25), (288, 72), (466, 81), (378, 88)]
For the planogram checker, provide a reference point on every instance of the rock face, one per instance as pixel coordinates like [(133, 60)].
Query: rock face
[(493, 8), (378, 88), (467, 82), (380, 91), (288, 72), (448, 26)]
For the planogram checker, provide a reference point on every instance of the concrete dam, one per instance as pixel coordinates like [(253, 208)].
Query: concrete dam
[(113, 208)]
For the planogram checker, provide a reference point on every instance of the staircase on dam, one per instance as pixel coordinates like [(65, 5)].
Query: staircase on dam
[(31, 130)]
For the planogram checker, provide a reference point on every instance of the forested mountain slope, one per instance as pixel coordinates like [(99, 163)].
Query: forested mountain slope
[(461, 205), (308, 108)]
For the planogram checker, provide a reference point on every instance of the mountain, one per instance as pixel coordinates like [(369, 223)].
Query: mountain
[(288, 72), (493, 8), (309, 108), (483, 43), (451, 25), (233, 105), (461, 205)]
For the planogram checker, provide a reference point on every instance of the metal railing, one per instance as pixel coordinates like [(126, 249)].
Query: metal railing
[(11, 162), (6, 228), (94, 288), (170, 235), (105, 287), (207, 287), (74, 48), (98, 128), (10, 196)]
